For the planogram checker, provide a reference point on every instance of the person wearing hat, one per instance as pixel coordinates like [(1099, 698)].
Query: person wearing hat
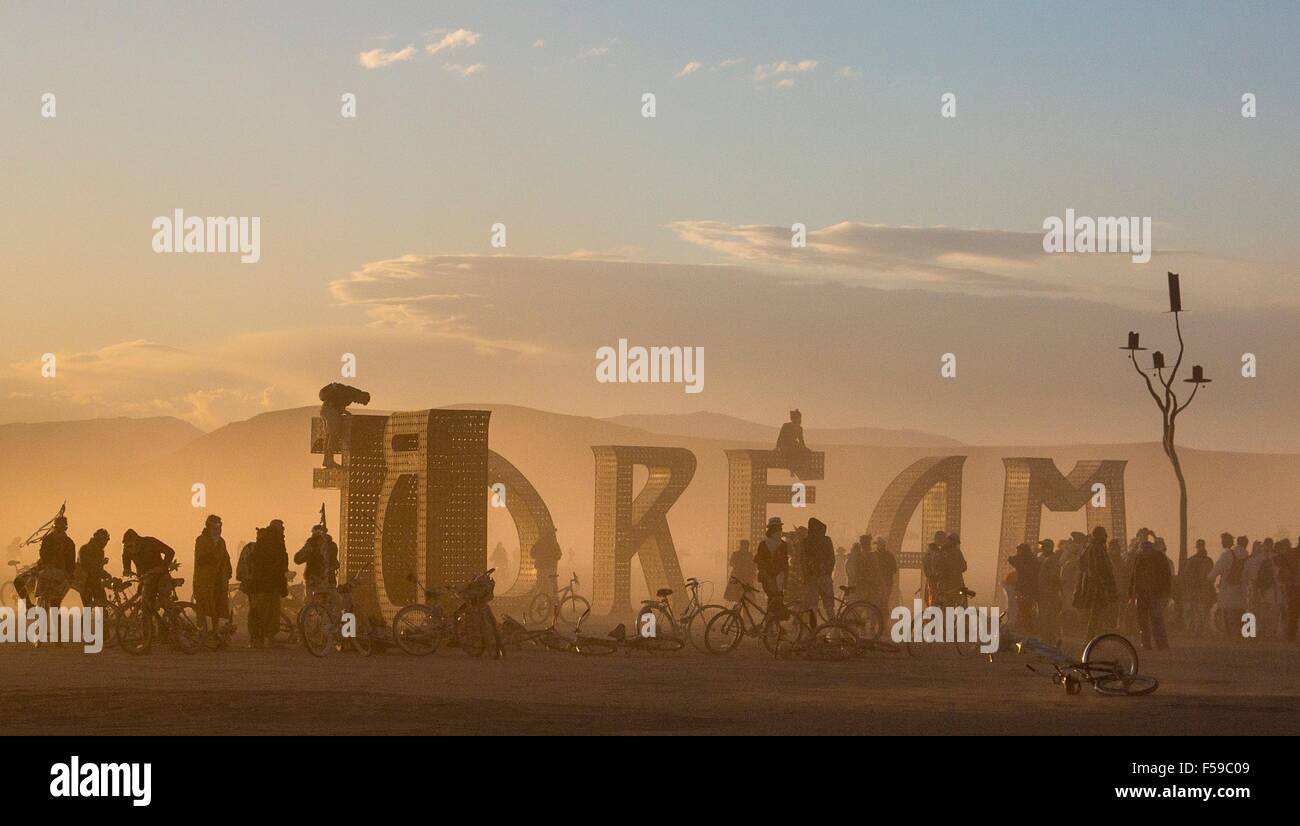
[(267, 585), (320, 557), (772, 560), (91, 575), (56, 564), (1096, 592), (742, 569), (211, 575), (151, 557)]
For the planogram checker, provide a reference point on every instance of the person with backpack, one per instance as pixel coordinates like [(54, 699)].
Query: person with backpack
[(1261, 589), (335, 398), (267, 584), (1230, 573), (1150, 589)]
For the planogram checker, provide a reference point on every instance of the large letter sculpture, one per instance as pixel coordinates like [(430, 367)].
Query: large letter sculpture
[(628, 527), (531, 516), (749, 494), (1033, 484), (933, 483), (411, 500)]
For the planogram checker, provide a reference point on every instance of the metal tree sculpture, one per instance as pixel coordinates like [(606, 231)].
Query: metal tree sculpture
[(1169, 404)]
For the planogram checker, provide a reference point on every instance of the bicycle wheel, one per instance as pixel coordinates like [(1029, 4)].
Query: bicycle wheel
[(1110, 654), (864, 618), (698, 622), (362, 643), (724, 632), (1125, 685), (572, 609), (418, 630), (663, 644), (183, 623), (135, 631), (541, 609), (832, 641), (317, 630), (288, 630), (664, 624), (792, 630), (469, 634)]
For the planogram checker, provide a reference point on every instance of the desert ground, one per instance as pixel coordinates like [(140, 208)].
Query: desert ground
[(1251, 687)]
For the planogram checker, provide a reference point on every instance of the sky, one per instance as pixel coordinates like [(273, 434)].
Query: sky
[(924, 232)]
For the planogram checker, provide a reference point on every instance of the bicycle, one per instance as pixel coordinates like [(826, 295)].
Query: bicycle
[(833, 641), (949, 599), (22, 586), (420, 628), (1109, 664), (566, 606), (320, 622), (166, 619), (727, 629), (692, 622)]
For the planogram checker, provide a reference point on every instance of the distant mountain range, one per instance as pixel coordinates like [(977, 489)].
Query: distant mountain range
[(704, 425), (120, 473)]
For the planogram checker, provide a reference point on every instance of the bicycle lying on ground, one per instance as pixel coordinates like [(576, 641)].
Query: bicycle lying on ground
[(567, 606), (1109, 663), (690, 624), (728, 628)]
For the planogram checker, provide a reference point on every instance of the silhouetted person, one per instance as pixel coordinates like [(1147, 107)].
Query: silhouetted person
[(841, 567), (57, 563), (267, 584), (335, 398), (320, 557), (789, 442), (546, 555), (1049, 591), (772, 561), (1288, 573), (949, 572), (1153, 577), (1026, 566), (1196, 590), (1230, 571), (151, 559), (855, 566), (211, 575), (500, 558), (928, 571), (819, 570), (743, 569), (1261, 589), (1096, 593), (881, 574), (90, 574)]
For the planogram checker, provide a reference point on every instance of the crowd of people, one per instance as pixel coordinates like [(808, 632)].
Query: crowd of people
[(1084, 584), (1103, 584), (261, 571)]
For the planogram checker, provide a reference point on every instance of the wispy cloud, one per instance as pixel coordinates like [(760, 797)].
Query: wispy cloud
[(460, 38), (602, 50), (462, 70), (848, 72), (765, 72), (690, 68), (379, 58)]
